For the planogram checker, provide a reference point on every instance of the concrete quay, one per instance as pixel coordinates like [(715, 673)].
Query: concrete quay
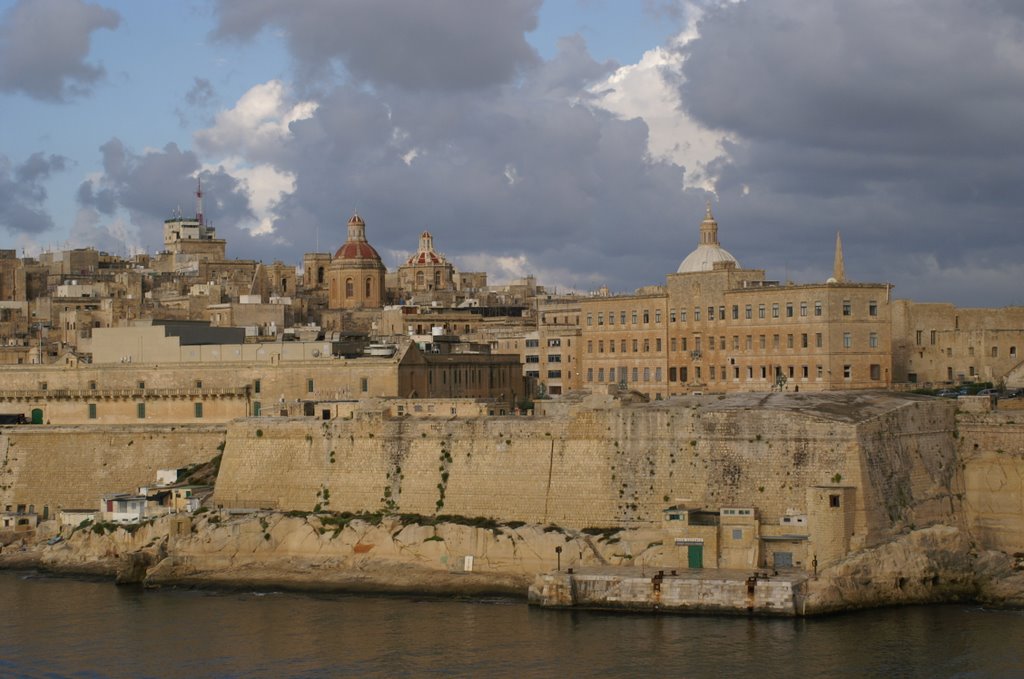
[(665, 591)]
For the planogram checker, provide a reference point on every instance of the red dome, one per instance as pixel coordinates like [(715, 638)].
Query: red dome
[(356, 250), (425, 258)]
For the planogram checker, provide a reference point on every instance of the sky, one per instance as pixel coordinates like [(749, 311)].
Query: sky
[(575, 140)]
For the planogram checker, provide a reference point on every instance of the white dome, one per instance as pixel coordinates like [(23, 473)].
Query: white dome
[(704, 258)]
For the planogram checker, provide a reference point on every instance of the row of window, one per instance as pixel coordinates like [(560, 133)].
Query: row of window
[(801, 341), (623, 374), (777, 310), (720, 373), (993, 351), (638, 345), (534, 343), (552, 358)]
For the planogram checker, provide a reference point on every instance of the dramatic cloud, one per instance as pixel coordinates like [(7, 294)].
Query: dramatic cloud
[(22, 194), (257, 125), (898, 123), (532, 173), (438, 45), (650, 90), (43, 46), (154, 185), (894, 123)]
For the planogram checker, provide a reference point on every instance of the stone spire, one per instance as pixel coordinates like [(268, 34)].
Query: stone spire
[(838, 267), (709, 228)]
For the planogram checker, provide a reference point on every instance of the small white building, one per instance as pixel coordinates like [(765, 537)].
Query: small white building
[(123, 508)]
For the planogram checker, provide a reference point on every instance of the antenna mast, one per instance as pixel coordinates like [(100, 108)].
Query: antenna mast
[(199, 200)]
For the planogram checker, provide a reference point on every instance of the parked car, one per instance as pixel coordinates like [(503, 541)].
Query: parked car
[(948, 393), (988, 392)]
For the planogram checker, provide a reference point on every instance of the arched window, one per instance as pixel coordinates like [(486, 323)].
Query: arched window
[(419, 279), (284, 285), (369, 287), (320, 276), (437, 280), (349, 288)]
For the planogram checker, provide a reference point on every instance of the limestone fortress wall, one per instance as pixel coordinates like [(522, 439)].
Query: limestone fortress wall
[(899, 462), (602, 464), (49, 468)]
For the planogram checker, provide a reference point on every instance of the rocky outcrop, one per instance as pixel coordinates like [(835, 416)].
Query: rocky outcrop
[(321, 552), (399, 554), (931, 565)]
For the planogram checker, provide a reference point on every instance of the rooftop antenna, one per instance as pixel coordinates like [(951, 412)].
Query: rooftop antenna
[(199, 200)]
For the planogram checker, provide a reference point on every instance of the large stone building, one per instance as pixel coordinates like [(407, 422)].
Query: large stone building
[(716, 326), (941, 343), (178, 371)]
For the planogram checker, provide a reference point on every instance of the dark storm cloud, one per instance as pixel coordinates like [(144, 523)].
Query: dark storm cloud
[(529, 169), (22, 194), (895, 122), (152, 186), (438, 45), (43, 46)]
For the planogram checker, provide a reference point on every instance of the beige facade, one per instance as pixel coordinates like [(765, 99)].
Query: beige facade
[(265, 319), (550, 351), (720, 328), (625, 342), (937, 344), (416, 320), (150, 373), (314, 270), (12, 277)]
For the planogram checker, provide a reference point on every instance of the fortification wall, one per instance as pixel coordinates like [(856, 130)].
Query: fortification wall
[(594, 466), (71, 467), (908, 471), (992, 455), (582, 466)]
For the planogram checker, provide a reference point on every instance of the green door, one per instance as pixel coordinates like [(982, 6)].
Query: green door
[(37, 416), (695, 556)]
